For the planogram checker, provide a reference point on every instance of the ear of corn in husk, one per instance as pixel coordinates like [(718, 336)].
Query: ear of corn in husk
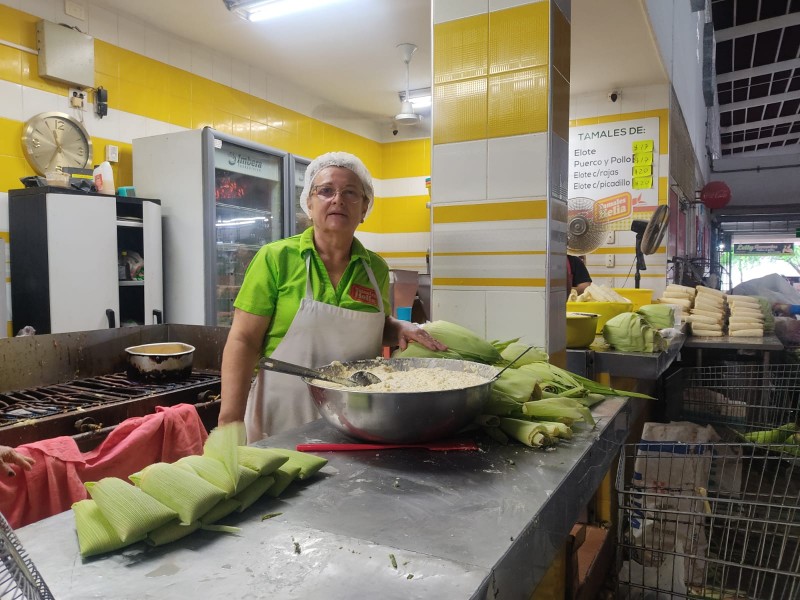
[(500, 346), (467, 344), (254, 491), (262, 460), (283, 475), (513, 387), (557, 430), (414, 350), (773, 436), (529, 433), (513, 350), (95, 533), (629, 332), (170, 532), (554, 380), (130, 511), (308, 463), (223, 444), (562, 410), (222, 509), (658, 316), (183, 491)]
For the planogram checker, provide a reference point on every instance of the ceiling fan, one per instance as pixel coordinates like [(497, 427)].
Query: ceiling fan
[(407, 116)]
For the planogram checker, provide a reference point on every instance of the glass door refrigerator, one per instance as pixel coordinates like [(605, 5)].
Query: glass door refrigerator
[(222, 199), (297, 173)]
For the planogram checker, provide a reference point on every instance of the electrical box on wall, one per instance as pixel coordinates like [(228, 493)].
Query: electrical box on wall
[(65, 54)]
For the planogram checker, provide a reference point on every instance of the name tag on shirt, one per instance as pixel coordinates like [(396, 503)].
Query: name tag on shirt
[(359, 293)]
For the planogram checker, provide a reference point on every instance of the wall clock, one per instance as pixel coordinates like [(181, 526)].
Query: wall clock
[(54, 140)]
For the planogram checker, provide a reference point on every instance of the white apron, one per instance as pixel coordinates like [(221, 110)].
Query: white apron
[(319, 334)]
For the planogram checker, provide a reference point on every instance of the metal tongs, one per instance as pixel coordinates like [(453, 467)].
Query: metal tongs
[(357, 379)]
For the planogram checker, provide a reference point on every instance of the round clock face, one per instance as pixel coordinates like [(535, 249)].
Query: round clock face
[(54, 140)]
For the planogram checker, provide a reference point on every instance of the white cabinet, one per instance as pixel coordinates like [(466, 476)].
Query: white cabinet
[(65, 260)]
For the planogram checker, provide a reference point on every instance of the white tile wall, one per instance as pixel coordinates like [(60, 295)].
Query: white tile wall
[(517, 167), (258, 83), (35, 101), (221, 67), (202, 63), (103, 24), (488, 267), (524, 235), (11, 106), (459, 172), (180, 54), (131, 34), (449, 10), (240, 76), (156, 45), (516, 314), (401, 186), (42, 8), (465, 307), (503, 4)]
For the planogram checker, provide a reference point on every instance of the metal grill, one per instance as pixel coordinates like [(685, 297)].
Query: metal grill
[(740, 396), (19, 578), (81, 394), (715, 521)]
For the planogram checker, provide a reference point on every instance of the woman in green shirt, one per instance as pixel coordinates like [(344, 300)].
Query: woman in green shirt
[(310, 299)]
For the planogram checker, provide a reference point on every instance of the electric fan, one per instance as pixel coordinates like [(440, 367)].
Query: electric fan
[(649, 235), (587, 225)]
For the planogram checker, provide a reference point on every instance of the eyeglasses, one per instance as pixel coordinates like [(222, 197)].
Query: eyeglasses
[(327, 193)]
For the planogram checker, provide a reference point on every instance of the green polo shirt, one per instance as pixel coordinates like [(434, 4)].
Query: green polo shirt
[(275, 283)]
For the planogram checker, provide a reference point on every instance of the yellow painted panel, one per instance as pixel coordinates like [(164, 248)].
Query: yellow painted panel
[(135, 68), (223, 120), (17, 27), (11, 169), (487, 282), (180, 111), (407, 159), (10, 138), (10, 64), (106, 59), (202, 116), (663, 187), (518, 102), (519, 37), (460, 49), (461, 111), (135, 98), (111, 85), (402, 254), (241, 127), (494, 211), (407, 214)]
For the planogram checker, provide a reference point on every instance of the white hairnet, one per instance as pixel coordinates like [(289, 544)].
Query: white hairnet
[(337, 159)]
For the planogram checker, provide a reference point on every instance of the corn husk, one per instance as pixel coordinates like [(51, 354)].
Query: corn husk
[(262, 460), (629, 332), (183, 491), (308, 463), (95, 533), (513, 387), (658, 316), (467, 344), (130, 511), (557, 430), (254, 491), (488, 420), (210, 469), (223, 444), (497, 434), (514, 349), (246, 478), (284, 475), (529, 433), (562, 410), (170, 532), (414, 350), (221, 510)]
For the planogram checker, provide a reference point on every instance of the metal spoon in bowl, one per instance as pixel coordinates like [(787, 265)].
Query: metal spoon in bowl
[(357, 379)]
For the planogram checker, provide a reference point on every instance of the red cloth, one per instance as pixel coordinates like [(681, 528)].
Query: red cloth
[(56, 480)]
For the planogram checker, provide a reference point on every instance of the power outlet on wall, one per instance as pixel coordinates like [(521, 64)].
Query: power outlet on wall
[(609, 260), (610, 238), (75, 10), (77, 98)]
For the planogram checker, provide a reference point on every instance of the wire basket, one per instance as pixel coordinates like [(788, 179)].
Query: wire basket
[(19, 579), (743, 397), (716, 520)]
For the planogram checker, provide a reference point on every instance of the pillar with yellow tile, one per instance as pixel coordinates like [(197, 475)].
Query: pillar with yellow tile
[(499, 168)]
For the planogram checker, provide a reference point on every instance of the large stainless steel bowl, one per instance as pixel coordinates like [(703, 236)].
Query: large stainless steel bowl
[(402, 417)]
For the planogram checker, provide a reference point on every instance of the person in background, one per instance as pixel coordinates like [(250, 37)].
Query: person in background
[(9, 456), (577, 274), (310, 299)]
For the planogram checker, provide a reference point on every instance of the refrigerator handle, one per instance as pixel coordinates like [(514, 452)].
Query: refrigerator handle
[(111, 318), (158, 317)]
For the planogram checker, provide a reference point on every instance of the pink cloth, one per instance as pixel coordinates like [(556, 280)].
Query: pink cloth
[(56, 480)]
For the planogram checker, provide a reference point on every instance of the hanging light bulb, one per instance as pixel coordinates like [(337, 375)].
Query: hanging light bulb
[(407, 116)]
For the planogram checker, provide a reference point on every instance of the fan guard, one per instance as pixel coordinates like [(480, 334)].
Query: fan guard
[(587, 225)]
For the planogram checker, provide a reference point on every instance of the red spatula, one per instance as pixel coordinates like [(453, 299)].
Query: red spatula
[(442, 446)]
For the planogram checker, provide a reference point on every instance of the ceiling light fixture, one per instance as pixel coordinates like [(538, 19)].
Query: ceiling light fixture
[(261, 10), (407, 116), (420, 98)]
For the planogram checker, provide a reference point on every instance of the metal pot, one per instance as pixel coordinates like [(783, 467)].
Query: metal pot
[(166, 361), (402, 417)]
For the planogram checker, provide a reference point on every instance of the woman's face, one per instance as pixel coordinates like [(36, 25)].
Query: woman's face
[(336, 202)]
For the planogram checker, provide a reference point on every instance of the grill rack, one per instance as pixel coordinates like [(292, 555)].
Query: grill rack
[(19, 578)]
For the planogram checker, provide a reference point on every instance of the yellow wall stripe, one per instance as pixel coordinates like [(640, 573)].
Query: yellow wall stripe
[(402, 254), (521, 252), (400, 214), (490, 282), (495, 211), (626, 250)]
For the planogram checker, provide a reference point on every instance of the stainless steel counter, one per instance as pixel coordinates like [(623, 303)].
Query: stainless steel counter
[(638, 365), (481, 524), (766, 344)]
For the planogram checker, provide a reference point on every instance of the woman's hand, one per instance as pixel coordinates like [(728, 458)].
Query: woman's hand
[(9, 456), (400, 333)]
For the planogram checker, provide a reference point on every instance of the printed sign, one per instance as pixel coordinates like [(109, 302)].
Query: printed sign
[(616, 163), (359, 293), (777, 249)]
